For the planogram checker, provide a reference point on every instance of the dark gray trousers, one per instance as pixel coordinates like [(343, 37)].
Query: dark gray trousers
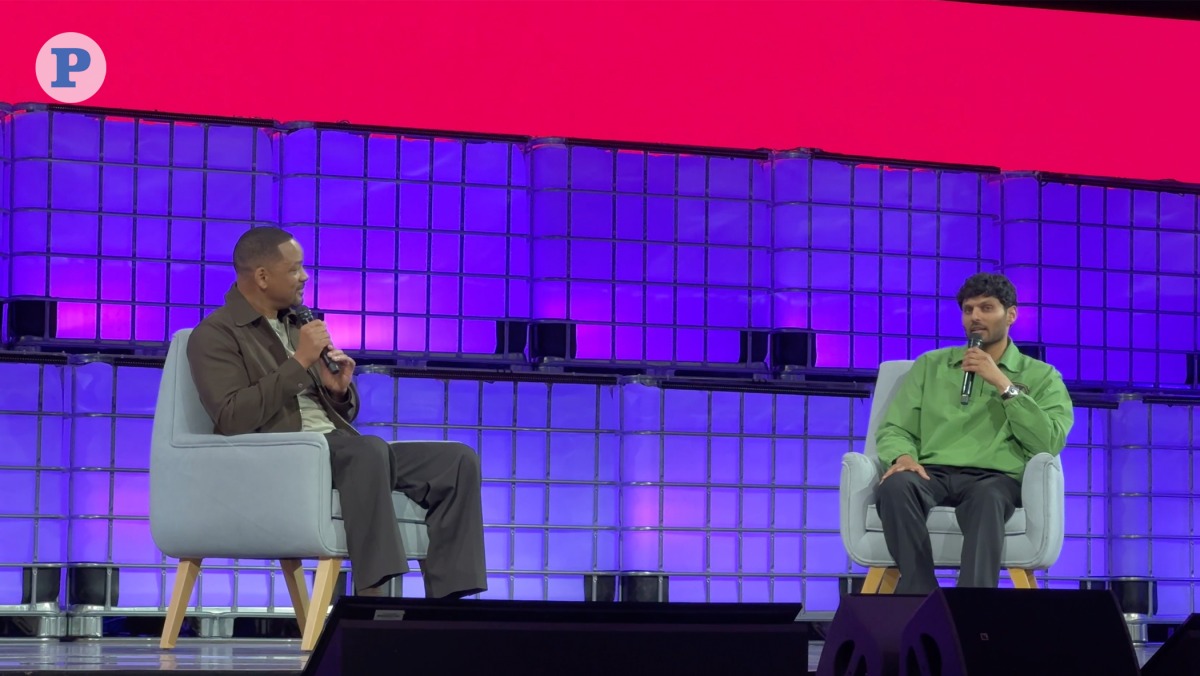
[(443, 478), (983, 501)]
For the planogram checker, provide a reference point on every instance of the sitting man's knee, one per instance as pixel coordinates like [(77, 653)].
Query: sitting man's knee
[(376, 446), (900, 484), (466, 455), (366, 455)]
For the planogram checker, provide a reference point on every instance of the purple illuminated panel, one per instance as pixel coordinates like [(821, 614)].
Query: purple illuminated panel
[(421, 244), (107, 496), (656, 257), (34, 480), (1100, 270), (868, 237), (550, 463), (436, 224), (135, 193), (721, 491)]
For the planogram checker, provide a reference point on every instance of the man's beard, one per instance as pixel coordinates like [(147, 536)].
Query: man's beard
[(990, 336), (991, 340)]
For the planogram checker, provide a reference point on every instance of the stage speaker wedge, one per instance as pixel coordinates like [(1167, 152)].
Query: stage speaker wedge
[(1030, 632), (864, 637), (413, 636)]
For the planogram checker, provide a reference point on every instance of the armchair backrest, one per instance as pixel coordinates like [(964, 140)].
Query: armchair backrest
[(179, 410), (891, 377)]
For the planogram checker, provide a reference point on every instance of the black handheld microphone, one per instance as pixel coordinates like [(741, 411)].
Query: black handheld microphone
[(305, 315), (976, 340)]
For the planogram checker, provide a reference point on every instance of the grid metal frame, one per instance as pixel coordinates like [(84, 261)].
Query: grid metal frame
[(428, 245), (871, 256), (549, 458), (866, 255), (1086, 458), (582, 478), (93, 194), (734, 495), (141, 212), (1152, 481), (34, 471), (657, 257), (1107, 275)]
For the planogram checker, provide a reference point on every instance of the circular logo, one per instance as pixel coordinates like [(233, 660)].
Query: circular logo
[(70, 67)]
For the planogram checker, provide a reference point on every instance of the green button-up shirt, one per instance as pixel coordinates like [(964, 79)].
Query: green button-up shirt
[(927, 420)]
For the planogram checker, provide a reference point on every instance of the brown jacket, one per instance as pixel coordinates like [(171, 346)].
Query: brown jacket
[(247, 382)]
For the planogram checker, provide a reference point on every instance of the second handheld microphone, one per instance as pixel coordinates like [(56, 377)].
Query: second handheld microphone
[(976, 340)]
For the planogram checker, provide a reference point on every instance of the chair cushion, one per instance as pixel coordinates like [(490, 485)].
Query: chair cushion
[(406, 510), (942, 520)]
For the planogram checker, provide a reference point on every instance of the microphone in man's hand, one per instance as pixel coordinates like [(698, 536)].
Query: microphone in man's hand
[(304, 316), (976, 340)]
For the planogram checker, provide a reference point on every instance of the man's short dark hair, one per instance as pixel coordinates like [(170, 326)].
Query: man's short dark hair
[(258, 247), (988, 284)]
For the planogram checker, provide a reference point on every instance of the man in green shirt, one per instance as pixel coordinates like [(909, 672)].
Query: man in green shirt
[(940, 451)]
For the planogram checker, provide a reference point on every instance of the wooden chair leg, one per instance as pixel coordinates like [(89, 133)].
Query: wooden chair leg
[(881, 580), (1022, 578), (891, 576), (293, 575), (185, 581), (327, 575), (874, 578)]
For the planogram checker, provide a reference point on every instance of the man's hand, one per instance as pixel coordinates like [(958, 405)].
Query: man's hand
[(337, 383), (314, 337), (905, 463), (981, 364)]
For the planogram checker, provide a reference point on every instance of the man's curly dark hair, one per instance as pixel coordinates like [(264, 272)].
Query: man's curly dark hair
[(989, 284)]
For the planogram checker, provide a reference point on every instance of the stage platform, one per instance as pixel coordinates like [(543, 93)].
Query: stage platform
[(242, 657)]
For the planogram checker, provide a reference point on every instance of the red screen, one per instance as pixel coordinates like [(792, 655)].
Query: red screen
[(922, 80)]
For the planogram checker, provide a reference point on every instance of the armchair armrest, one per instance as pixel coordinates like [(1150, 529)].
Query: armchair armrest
[(245, 496), (1043, 497), (856, 492), (249, 441)]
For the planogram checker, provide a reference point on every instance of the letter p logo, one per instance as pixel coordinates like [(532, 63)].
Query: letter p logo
[(64, 55), (70, 67)]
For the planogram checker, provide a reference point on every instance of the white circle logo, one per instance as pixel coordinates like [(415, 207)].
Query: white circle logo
[(70, 67)]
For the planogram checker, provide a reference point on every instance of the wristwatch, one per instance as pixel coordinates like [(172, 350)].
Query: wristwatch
[(1010, 392)]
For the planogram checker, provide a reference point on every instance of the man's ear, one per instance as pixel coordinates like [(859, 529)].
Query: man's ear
[(1012, 315)]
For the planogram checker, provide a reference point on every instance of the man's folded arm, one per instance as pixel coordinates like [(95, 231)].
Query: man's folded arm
[(1040, 421)]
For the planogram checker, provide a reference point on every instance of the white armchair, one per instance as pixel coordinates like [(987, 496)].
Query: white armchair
[(1033, 537), (250, 496)]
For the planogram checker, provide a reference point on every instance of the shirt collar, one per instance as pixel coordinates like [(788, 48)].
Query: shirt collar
[(243, 313), (1012, 359)]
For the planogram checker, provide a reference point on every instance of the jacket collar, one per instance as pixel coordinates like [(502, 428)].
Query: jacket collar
[(1012, 359), (243, 313)]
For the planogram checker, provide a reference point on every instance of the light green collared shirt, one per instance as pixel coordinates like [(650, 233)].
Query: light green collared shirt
[(927, 421)]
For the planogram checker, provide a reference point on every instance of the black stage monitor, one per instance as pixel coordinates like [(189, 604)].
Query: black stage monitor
[(396, 635)]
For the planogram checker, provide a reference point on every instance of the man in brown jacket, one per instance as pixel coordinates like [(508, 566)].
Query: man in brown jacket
[(257, 370)]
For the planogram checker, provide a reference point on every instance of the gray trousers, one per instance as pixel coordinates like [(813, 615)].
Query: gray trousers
[(983, 501), (443, 478)]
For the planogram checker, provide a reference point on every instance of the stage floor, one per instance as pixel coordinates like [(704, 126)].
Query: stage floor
[(240, 656), (243, 657)]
